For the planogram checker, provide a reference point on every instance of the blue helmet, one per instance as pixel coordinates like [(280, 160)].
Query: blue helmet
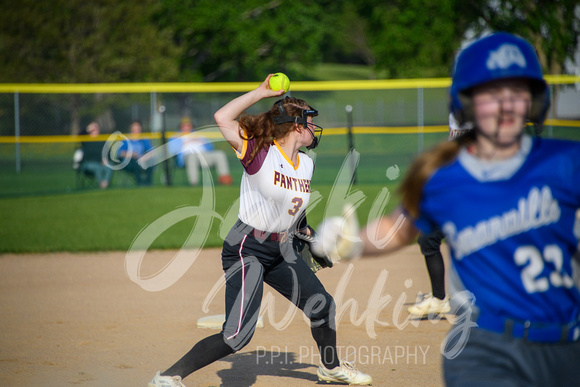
[(497, 56)]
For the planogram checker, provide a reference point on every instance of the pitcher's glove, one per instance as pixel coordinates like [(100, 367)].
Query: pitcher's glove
[(303, 245)]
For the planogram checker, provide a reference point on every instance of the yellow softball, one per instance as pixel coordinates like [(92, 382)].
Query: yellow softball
[(279, 81)]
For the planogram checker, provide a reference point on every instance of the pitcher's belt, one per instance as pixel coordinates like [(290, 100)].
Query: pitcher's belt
[(266, 235)]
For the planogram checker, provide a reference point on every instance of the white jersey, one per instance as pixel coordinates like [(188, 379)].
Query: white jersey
[(274, 192)]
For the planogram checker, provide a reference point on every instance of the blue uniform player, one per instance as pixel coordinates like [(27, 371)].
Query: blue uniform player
[(507, 204)]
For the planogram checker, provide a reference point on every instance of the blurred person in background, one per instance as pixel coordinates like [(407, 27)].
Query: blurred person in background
[(92, 160), (135, 148), (191, 147), (436, 302)]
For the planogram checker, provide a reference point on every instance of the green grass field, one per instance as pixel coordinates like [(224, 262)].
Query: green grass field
[(43, 210), (98, 220)]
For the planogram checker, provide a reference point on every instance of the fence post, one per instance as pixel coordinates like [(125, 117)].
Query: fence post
[(348, 109), (420, 119), (17, 130), (552, 111), (153, 106), (163, 144)]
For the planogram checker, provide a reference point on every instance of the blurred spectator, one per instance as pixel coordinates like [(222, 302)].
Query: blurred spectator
[(190, 147), (92, 161), (136, 148)]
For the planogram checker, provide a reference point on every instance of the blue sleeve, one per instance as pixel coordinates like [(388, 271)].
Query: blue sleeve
[(576, 173), (576, 170), (420, 223), (424, 221), (174, 146), (564, 161), (148, 145), (123, 148), (423, 224)]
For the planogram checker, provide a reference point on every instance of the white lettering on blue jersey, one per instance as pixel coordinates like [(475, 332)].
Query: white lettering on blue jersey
[(536, 210)]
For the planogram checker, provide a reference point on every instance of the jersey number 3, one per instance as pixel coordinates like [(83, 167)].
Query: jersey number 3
[(531, 274), (297, 204)]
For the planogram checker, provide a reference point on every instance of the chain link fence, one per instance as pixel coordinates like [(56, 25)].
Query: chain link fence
[(392, 121)]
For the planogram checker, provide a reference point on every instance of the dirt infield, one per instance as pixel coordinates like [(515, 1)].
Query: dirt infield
[(77, 319)]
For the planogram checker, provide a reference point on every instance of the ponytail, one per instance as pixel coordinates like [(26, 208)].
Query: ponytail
[(411, 189), (262, 128)]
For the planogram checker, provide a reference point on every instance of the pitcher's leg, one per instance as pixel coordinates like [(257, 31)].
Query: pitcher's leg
[(244, 288), (296, 281), (205, 352), (306, 291)]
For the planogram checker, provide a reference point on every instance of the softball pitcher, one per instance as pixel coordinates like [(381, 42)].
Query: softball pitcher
[(274, 194), (507, 204)]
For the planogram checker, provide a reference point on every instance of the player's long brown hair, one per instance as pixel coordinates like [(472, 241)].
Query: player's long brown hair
[(425, 165), (261, 127)]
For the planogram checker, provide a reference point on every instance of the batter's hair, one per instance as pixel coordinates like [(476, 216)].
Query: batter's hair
[(411, 189), (262, 128)]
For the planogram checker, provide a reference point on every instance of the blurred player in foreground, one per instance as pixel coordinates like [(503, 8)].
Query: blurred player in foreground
[(274, 194), (507, 204)]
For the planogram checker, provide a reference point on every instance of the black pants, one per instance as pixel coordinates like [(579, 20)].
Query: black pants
[(431, 248), (142, 176), (248, 263)]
